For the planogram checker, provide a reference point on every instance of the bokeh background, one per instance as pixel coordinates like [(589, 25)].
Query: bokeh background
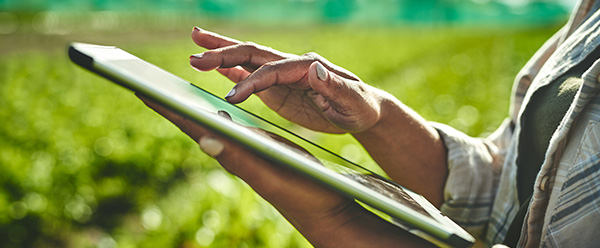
[(84, 164)]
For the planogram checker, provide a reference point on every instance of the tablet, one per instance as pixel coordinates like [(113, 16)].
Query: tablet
[(393, 202)]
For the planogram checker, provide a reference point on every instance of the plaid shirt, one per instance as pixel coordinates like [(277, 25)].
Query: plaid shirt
[(481, 192)]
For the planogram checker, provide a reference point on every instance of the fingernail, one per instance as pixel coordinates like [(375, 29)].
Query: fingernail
[(321, 72), (224, 114), (197, 29), (197, 56), (211, 146), (231, 93)]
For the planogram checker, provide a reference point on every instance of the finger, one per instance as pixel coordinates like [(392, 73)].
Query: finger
[(224, 114), (186, 125), (331, 91), (211, 145), (330, 66), (248, 55), (291, 72), (277, 184), (329, 85), (162, 110), (222, 149), (235, 74), (210, 40), (320, 80)]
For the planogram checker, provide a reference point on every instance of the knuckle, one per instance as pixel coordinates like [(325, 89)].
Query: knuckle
[(210, 53), (312, 55), (250, 45), (269, 66)]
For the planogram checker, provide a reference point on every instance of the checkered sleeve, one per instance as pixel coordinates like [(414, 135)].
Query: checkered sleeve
[(474, 166)]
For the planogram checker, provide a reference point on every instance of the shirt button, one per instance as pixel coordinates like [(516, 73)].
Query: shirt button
[(544, 183)]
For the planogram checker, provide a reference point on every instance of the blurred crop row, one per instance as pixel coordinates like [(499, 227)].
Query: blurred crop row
[(83, 163)]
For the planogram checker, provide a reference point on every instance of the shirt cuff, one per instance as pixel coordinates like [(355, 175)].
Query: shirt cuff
[(469, 190)]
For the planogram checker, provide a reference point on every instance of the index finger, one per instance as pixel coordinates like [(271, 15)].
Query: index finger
[(210, 40)]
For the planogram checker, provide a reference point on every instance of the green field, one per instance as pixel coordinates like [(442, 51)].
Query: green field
[(83, 163)]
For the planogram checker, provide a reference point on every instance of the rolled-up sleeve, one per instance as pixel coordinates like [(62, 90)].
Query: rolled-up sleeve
[(474, 166)]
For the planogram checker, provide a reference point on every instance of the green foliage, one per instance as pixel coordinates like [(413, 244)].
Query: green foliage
[(83, 163)]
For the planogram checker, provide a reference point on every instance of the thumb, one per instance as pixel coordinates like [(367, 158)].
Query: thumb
[(323, 81), (330, 90), (345, 102)]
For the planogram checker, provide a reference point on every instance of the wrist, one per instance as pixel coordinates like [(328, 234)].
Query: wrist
[(400, 141)]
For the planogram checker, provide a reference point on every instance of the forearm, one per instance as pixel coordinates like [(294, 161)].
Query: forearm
[(407, 148)]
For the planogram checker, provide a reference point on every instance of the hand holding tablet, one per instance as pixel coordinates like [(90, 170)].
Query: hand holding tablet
[(316, 190)]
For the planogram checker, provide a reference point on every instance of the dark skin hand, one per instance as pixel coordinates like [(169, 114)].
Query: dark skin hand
[(319, 95), (323, 216), (313, 92), (284, 82)]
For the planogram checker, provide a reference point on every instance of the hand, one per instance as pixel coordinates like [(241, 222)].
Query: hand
[(306, 89), (316, 94), (324, 217)]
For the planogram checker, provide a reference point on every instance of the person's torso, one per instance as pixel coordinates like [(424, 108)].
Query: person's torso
[(557, 174)]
